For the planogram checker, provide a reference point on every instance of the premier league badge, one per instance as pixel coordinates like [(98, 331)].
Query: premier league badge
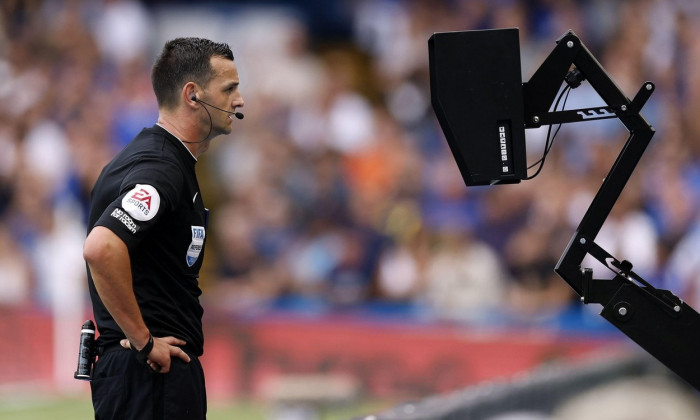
[(196, 245)]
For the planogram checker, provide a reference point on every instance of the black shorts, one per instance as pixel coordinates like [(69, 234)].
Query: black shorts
[(123, 389)]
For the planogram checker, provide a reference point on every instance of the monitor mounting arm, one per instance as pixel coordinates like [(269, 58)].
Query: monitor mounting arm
[(656, 319)]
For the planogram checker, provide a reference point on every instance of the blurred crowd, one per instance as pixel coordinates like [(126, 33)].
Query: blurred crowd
[(337, 193)]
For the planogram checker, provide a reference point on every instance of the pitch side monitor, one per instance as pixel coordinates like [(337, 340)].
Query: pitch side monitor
[(476, 93)]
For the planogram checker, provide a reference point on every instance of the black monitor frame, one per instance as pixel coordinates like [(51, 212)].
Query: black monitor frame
[(476, 92)]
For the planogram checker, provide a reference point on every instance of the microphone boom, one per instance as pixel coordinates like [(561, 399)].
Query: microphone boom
[(238, 115)]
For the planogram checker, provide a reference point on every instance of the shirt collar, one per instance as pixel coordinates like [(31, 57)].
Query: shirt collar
[(181, 142)]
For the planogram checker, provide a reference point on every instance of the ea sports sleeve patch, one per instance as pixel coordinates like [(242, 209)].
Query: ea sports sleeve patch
[(134, 213), (142, 202)]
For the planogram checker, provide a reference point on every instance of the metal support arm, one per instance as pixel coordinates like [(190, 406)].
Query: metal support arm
[(655, 319)]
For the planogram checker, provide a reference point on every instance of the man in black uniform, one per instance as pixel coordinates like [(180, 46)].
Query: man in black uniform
[(144, 249)]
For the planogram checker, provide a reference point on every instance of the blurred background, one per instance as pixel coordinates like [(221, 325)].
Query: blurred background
[(347, 265)]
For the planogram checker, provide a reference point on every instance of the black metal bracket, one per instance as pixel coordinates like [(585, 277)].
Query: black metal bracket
[(656, 319)]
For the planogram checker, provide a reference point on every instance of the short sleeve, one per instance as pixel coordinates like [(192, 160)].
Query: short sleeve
[(148, 192)]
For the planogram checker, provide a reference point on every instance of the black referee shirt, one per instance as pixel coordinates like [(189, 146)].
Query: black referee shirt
[(148, 196)]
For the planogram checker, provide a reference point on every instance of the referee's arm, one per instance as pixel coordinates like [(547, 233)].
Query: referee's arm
[(108, 259)]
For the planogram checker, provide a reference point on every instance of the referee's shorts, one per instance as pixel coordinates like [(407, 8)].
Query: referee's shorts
[(123, 389)]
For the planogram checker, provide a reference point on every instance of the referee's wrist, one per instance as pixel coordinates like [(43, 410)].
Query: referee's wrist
[(142, 353)]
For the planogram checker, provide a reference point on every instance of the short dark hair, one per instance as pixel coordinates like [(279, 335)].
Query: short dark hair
[(183, 60)]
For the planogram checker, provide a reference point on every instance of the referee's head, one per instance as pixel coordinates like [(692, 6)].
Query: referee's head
[(183, 60), (196, 84)]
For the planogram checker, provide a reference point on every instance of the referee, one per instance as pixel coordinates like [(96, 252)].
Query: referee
[(147, 231)]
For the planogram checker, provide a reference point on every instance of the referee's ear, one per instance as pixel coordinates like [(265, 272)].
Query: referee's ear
[(189, 95)]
